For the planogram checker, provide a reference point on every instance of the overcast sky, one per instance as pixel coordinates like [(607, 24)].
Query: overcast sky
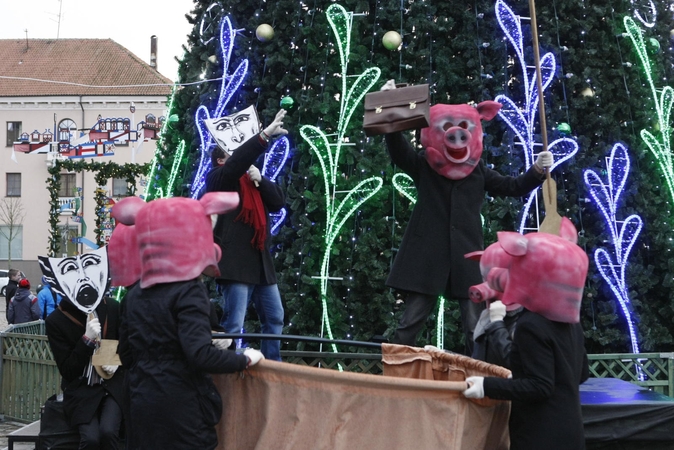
[(127, 22)]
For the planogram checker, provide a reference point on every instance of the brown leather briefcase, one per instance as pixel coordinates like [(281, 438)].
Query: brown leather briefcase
[(400, 109)]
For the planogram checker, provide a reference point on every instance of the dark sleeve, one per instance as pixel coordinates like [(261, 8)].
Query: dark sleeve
[(194, 333), (10, 312), (499, 185), (272, 195), (537, 380), (498, 344), (225, 178), (35, 310), (402, 154), (71, 356), (123, 348)]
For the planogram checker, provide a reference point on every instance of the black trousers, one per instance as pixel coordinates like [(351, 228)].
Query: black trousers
[(417, 309), (103, 430)]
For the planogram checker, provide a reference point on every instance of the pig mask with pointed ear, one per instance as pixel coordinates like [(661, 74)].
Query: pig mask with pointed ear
[(546, 274), (123, 251), (175, 238), (453, 141)]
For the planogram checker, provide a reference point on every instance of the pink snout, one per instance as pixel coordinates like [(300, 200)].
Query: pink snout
[(482, 292), (457, 137)]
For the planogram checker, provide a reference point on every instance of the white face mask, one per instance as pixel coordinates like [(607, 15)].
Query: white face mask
[(231, 131), (83, 279)]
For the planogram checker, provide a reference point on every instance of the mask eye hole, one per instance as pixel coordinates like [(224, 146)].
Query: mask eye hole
[(463, 125), (447, 126)]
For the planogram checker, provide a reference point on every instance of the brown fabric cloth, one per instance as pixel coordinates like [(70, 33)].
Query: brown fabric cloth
[(486, 420), (287, 406)]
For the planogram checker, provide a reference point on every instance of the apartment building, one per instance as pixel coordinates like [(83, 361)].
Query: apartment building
[(85, 99)]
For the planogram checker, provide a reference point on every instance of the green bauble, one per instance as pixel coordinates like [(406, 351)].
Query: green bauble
[(564, 128), (654, 45), (287, 103)]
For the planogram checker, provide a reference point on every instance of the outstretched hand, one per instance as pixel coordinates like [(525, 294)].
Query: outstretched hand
[(276, 127), (390, 84)]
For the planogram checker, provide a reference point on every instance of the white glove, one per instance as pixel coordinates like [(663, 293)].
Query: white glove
[(497, 311), (390, 84), (254, 174), (476, 389), (222, 344), (276, 127), (431, 348), (93, 329), (544, 160), (110, 370), (254, 356)]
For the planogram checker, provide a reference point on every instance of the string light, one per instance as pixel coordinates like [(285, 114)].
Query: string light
[(606, 198), (338, 212), (662, 147), (521, 120)]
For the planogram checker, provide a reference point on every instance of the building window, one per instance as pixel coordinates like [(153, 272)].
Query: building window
[(67, 130), (13, 185), (11, 237), (13, 133), (68, 187), (120, 188)]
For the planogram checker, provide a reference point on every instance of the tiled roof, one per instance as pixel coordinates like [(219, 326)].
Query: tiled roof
[(77, 64)]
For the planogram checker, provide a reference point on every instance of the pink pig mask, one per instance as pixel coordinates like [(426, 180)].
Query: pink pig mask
[(543, 272), (175, 236), (495, 257), (453, 141)]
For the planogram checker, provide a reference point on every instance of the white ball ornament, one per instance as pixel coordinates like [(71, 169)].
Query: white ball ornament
[(392, 40), (264, 32)]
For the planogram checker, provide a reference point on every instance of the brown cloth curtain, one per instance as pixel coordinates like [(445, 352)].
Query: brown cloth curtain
[(286, 406)]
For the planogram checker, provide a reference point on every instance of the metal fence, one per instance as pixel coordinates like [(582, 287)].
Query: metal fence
[(28, 373)]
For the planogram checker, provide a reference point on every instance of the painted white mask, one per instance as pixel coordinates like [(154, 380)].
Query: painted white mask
[(83, 279), (231, 131)]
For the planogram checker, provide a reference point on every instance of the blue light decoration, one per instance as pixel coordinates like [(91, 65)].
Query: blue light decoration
[(274, 160), (230, 84), (328, 147), (521, 120), (612, 265)]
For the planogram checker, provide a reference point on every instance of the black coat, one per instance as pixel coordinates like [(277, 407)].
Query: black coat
[(445, 223), (72, 356), (166, 344), (241, 262), (10, 290), (548, 363)]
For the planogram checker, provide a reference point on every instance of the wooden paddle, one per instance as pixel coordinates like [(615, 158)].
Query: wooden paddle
[(552, 221)]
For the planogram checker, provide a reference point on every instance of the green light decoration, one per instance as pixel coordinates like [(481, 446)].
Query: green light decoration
[(405, 185), (661, 147), (338, 212), (152, 191)]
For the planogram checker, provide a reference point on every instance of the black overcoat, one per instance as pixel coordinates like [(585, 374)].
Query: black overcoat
[(445, 223), (165, 341), (241, 262), (72, 356), (548, 363)]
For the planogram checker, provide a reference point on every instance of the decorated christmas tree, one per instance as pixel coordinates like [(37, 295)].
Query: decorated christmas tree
[(605, 70)]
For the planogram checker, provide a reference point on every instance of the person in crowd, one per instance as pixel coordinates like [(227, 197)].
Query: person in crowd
[(166, 338), (24, 306), (547, 358), (451, 180), (14, 276), (92, 395), (246, 267), (47, 298)]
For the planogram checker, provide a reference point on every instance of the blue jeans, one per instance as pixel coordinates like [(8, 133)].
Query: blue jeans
[(267, 302)]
